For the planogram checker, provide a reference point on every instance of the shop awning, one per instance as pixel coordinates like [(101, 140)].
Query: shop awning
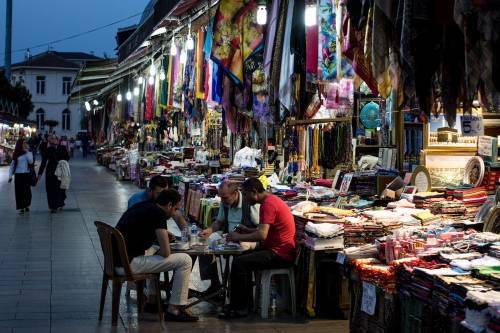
[(91, 79)]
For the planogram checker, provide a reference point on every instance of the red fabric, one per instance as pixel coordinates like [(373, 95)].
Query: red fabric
[(324, 182), (149, 102), (312, 49), (281, 236)]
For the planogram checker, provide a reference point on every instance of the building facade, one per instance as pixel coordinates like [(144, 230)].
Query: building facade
[(49, 77)]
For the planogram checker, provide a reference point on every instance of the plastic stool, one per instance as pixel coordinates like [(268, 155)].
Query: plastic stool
[(264, 286)]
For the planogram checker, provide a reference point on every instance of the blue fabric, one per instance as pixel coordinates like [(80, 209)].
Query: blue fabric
[(138, 197)]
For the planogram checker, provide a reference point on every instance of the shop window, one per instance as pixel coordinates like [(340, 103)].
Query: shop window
[(40, 119), (40, 85), (66, 120)]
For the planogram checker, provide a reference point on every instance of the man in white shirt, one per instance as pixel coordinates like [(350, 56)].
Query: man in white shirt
[(233, 212)]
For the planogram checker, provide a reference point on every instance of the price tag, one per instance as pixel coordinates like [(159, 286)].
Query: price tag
[(472, 125), (341, 258), (369, 300), (485, 146)]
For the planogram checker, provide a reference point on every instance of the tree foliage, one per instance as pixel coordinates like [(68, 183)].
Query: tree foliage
[(17, 94)]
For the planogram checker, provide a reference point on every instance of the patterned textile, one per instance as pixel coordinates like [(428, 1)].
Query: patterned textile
[(236, 36), (200, 60), (328, 56), (272, 26), (148, 114)]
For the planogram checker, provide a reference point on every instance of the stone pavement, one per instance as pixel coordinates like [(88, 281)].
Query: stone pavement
[(51, 266)]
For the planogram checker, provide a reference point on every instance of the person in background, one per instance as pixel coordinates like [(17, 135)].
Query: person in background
[(34, 142), (141, 225), (157, 184), (276, 232), (22, 160), (50, 158), (62, 154), (72, 147)]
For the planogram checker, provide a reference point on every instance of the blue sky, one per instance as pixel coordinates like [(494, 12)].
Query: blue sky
[(40, 21)]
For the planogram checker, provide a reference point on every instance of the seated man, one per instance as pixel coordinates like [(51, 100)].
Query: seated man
[(233, 211), (276, 231), (141, 225), (156, 185)]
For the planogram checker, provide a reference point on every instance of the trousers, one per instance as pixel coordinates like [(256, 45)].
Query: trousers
[(241, 274), (179, 263)]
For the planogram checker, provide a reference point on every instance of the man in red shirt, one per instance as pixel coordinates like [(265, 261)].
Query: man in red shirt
[(276, 232)]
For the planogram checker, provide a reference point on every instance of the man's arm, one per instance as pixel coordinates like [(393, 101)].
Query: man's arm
[(180, 220), (216, 226), (260, 234), (162, 237)]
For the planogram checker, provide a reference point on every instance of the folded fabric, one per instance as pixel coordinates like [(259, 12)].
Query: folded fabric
[(324, 229)]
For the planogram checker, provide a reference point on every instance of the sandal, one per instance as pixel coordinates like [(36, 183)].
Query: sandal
[(182, 316)]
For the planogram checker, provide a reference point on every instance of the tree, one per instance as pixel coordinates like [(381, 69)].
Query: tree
[(17, 94), (51, 124)]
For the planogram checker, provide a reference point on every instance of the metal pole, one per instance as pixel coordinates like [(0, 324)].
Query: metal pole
[(8, 38)]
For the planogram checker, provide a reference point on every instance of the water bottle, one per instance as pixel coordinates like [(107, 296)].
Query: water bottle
[(194, 234), (185, 235)]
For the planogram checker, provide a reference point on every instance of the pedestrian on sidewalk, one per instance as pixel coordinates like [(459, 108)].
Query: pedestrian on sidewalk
[(50, 158), (22, 161)]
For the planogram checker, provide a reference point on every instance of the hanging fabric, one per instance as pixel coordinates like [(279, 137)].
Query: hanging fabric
[(164, 84), (270, 37), (236, 36), (329, 60), (287, 63), (312, 53), (170, 78), (148, 115), (200, 75)]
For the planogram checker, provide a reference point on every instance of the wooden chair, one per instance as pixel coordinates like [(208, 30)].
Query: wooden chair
[(108, 234)]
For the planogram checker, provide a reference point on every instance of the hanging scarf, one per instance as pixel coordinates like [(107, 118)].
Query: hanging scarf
[(200, 39), (149, 102), (329, 60), (164, 84), (286, 82), (170, 78), (270, 36), (236, 36)]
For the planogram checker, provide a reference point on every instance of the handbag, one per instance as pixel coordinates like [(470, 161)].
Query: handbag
[(33, 177)]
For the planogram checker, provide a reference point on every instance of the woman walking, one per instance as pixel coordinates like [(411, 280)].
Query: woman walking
[(22, 161), (52, 184)]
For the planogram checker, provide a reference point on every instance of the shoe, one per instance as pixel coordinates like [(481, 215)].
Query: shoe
[(26, 210), (232, 314), (21, 211), (53, 211), (182, 316)]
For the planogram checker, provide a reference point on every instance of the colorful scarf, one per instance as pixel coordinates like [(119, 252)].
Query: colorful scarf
[(200, 39), (236, 36), (149, 102), (329, 59)]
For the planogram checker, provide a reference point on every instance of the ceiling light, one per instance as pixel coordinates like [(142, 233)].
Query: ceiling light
[(151, 80), (146, 43), (119, 97), (162, 75), (95, 102), (310, 16), (183, 57), (87, 106), (128, 95), (173, 48), (140, 80), (262, 15), (136, 91), (189, 42)]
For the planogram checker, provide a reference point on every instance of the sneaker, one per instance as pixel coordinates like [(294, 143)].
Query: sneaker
[(21, 211), (27, 209)]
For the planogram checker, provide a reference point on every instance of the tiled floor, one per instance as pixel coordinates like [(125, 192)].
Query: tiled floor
[(50, 266)]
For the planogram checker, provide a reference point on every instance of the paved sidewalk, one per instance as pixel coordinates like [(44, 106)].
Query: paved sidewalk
[(50, 266)]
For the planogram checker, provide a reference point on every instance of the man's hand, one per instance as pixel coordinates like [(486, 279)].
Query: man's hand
[(233, 237), (206, 233)]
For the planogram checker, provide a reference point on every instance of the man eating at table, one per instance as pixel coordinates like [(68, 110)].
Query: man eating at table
[(276, 232), (140, 226)]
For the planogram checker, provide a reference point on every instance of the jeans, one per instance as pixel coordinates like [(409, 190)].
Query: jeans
[(180, 263), (241, 274)]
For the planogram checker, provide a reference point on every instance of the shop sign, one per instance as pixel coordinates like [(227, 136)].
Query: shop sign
[(369, 300), (472, 125)]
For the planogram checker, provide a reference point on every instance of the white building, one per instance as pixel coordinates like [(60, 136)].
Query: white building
[(49, 77)]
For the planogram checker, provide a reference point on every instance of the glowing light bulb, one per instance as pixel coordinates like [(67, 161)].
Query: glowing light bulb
[(262, 15), (87, 106), (152, 70), (189, 43), (119, 97), (96, 103), (162, 75), (151, 80), (173, 48), (140, 80), (136, 91), (128, 95), (183, 57), (310, 16)]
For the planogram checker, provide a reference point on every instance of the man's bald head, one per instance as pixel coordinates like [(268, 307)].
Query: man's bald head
[(228, 191)]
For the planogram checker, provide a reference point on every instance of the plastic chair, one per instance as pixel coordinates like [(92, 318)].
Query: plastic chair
[(109, 235), (263, 286)]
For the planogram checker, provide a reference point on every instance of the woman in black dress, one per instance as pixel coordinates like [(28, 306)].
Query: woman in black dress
[(50, 157)]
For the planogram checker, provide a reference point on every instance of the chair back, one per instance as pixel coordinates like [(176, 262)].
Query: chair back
[(109, 235)]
